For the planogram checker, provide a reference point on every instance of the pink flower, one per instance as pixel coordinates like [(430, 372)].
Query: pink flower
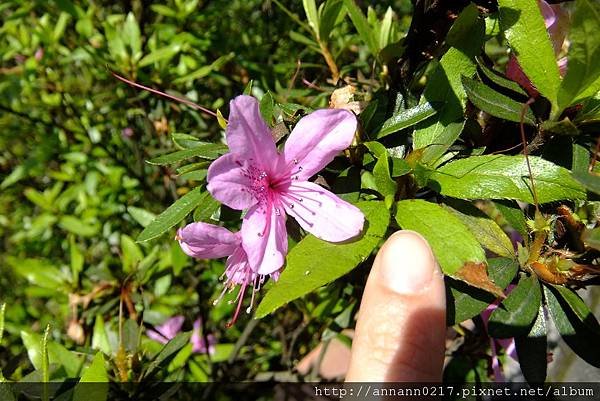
[(168, 330), (495, 343), (207, 241), (200, 344), (557, 21), (270, 184)]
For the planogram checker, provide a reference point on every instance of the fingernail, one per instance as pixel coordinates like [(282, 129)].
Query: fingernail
[(407, 263)]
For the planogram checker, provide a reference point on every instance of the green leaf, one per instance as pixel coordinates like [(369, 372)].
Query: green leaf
[(131, 254), (77, 259), (330, 17), (495, 103), (266, 107), (591, 238), (142, 216), (513, 215), (525, 30), (207, 206), (532, 350), (2, 312), (164, 53), (444, 87), (173, 215), (441, 143), (168, 352), (405, 118), (590, 181), (516, 313), (78, 227), (209, 151), (384, 183), (578, 307), (505, 177), (500, 80), (94, 373), (100, 337), (57, 354), (310, 8), (205, 70), (576, 332), (362, 26), (131, 34), (584, 52), (313, 263), (38, 272), (451, 241), (465, 301), (488, 233)]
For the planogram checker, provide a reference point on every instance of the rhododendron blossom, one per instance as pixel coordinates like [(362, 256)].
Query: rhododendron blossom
[(270, 184), (169, 329), (207, 241)]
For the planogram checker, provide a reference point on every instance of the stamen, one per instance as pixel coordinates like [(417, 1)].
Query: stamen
[(240, 298)]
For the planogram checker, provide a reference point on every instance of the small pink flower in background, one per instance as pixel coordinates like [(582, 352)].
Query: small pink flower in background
[(207, 241), (496, 343), (255, 176), (200, 344), (168, 330), (557, 23)]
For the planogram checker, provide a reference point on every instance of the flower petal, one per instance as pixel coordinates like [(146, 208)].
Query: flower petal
[(321, 212), (264, 238), (228, 182), (247, 133), (237, 269), (207, 241), (317, 139)]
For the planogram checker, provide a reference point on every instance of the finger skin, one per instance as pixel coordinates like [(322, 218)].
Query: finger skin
[(401, 327)]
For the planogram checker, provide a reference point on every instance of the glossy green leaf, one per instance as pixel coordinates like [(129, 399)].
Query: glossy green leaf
[(209, 151), (384, 183), (576, 332), (100, 337), (526, 33), (495, 103), (590, 181), (173, 215), (168, 352), (310, 9), (532, 350), (444, 87), (333, 11), (362, 26), (405, 118), (207, 206), (78, 226), (38, 272), (94, 373), (584, 54), (465, 301), (266, 107), (57, 354), (513, 215), (486, 231), (517, 312), (441, 143), (131, 254), (142, 216), (313, 263), (505, 177), (500, 80), (452, 242)]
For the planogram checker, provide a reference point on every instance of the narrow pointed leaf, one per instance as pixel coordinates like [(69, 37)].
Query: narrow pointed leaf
[(532, 350), (405, 118), (173, 215), (495, 103)]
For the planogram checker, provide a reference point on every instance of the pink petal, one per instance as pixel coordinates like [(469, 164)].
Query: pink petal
[(228, 182), (247, 134), (264, 238), (207, 241), (166, 331), (547, 13), (322, 213), (317, 139), (237, 269)]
